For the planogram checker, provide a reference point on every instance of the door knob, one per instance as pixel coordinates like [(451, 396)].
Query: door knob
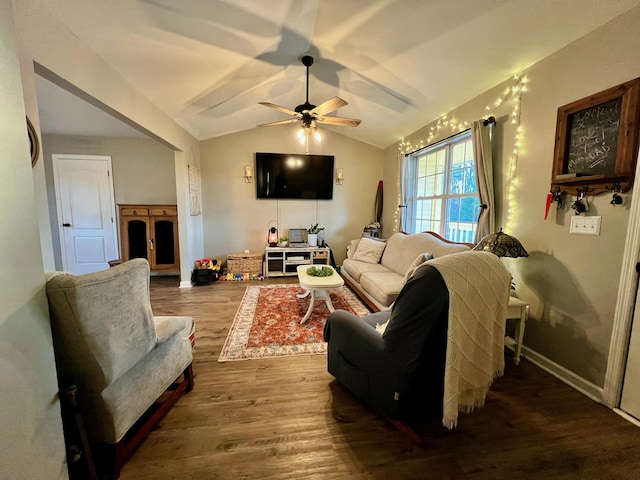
[(66, 224)]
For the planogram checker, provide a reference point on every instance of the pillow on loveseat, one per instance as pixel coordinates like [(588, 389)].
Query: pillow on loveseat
[(369, 250), (420, 259)]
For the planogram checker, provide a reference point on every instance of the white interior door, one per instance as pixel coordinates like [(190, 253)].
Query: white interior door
[(86, 212), (630, 401)]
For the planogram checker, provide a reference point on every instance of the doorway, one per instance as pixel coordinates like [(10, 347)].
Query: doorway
[(86, 212), (623, 367), (630, 401)]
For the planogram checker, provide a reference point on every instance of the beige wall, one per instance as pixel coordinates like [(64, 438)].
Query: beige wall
[(234, 220), (570, 280), (30, 427), (143, 171), (72, 65)]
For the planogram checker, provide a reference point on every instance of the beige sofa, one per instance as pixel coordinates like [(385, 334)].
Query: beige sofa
[(378, 284)]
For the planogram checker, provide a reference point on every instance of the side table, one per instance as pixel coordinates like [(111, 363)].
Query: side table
[(518, 310)]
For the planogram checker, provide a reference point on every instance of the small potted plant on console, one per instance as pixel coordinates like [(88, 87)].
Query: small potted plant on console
[(312, 235)]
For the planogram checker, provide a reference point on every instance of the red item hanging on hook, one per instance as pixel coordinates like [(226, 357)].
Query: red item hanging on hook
[(548, 206)]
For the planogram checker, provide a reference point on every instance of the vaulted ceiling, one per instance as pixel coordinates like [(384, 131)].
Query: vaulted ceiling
[(398, 63)]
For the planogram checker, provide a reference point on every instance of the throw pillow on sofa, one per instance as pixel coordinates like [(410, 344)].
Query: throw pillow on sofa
[(420, 259), (369, 250)]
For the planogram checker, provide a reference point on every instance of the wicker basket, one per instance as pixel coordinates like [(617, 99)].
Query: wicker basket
[(250, 263)]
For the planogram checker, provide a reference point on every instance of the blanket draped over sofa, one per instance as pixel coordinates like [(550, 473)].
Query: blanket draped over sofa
[(478, 298)]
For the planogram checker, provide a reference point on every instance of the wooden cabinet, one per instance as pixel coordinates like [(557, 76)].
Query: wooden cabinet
[(151, 232)]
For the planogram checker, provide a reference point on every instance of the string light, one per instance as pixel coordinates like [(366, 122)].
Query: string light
[(513, 95)]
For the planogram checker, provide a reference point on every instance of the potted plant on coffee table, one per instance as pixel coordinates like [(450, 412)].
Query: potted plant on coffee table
[(312, 235)]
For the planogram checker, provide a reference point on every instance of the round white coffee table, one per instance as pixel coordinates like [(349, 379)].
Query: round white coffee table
[(318, 287)]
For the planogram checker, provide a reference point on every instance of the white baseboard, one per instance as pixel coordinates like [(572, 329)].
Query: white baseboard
[(185, 284), (567, 376), (627, 417)]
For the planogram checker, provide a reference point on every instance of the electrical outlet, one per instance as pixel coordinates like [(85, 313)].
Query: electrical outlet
[(581, 225)]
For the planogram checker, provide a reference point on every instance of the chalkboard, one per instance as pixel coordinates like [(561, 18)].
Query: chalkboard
[(597, 141), (592, 144)]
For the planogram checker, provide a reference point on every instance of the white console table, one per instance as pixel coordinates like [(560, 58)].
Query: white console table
[(284, 261), (518, 310)]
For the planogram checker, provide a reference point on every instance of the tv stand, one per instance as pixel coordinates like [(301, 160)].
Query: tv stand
[(284, 261)]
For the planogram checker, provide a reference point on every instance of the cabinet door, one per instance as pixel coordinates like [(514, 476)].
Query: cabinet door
[(136, 236), (164, 243)]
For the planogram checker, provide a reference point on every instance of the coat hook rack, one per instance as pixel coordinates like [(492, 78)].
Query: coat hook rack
[(579, 205), (558, 195), (616, 189)]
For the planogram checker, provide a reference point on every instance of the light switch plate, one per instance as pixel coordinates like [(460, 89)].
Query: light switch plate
[(581, 225)]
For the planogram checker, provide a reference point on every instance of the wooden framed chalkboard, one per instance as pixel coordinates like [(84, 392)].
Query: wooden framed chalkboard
[(597, 141)]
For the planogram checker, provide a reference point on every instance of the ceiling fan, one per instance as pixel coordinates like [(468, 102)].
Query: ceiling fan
[(309, 114)]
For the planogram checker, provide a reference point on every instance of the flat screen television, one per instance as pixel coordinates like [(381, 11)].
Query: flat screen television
[(294, 176)]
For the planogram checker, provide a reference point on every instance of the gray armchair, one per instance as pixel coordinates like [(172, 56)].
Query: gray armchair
[(121, 358), (399, 373), (443, 345)]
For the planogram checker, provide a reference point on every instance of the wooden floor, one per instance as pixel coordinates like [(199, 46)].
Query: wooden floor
[(286, 418)]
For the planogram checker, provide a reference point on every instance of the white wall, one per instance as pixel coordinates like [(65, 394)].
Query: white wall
[(571, 281), (31, 438), (234, 220)]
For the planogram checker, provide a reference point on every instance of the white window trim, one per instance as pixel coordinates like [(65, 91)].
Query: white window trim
[(412, 200)]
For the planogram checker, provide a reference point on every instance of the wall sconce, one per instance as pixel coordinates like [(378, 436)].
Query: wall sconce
[(248, 174), (339, 176)]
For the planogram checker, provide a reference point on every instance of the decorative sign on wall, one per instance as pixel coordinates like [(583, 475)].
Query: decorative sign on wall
[(34, 143), (194, 186), (597, 141)]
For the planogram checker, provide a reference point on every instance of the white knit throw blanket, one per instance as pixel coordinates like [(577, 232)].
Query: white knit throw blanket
[(478, 298)]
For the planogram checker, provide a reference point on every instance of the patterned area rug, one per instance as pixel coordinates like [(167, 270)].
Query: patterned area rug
[(267, 323)]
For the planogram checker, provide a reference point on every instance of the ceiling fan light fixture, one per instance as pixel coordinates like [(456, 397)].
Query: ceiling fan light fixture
[(309, 114), (301, 135), (317, 136)]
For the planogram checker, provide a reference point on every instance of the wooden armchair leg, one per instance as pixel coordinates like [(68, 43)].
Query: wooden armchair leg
[(188, 375)]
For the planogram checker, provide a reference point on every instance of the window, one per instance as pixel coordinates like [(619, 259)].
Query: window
[(442, 191)]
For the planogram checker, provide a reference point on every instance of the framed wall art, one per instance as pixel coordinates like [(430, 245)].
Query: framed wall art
[(34, 143), (596, 144)]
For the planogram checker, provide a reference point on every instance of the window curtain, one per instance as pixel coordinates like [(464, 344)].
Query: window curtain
[(403, 214), (484, 177)]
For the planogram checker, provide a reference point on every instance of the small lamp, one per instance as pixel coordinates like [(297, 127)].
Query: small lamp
[(272, 236), (502, 245)]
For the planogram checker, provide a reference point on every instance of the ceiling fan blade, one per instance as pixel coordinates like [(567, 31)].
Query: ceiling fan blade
[(281, 122), (279, 108), (341, 121), (328, 106)]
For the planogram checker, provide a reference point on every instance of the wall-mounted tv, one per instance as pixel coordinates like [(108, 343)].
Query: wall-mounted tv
[(294, 176)]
